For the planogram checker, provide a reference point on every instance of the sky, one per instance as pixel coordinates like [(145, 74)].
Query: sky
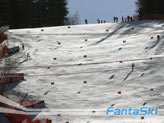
[(102, 9)]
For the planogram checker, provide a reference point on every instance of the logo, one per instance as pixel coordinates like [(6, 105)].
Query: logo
[(143, 111)]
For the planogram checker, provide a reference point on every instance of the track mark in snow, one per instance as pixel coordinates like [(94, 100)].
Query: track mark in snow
[(142, 74), (147, 68), (155, 44), (46, 92), (128, 75), (112, 77), (160, 49), (23, 61), (39, 40), (144, 103), (112, 33), (113, 105), (120, 49)]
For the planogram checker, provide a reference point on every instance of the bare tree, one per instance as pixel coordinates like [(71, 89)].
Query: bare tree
[(73, 19)]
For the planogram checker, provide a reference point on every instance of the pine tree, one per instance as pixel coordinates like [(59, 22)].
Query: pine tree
[(140, 7), (4, 12), (150, 7), (49, 13), (55, 12), (35, 13)]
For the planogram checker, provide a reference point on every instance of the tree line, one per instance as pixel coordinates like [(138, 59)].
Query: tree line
[(147, 7), (35, 13)]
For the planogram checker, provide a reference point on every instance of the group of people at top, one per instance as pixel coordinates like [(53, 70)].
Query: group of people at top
[(126, 19), (98, 21), (102, 21), (115, 19)]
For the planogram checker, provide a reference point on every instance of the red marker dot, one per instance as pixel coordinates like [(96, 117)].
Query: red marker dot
[(151, 89)]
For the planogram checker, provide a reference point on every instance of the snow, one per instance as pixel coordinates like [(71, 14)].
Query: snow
[(104, 74)]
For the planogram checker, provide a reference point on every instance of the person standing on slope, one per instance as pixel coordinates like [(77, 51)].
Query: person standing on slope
[(158, 37), (132, 66), (86, 21), (114, 19), (22, 47), (122, 19), (98, 20)]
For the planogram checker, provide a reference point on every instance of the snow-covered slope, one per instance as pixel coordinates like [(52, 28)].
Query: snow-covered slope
[(83, 63)]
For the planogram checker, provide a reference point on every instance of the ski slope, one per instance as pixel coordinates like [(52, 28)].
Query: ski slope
[(77, 70)]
